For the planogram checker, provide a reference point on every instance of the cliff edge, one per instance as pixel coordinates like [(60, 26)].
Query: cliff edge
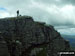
[(28, 37)]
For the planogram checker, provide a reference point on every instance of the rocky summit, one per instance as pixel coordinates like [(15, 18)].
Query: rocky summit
[(22, 36)]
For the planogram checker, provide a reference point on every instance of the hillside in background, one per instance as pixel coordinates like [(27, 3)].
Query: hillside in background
[(71, 39)]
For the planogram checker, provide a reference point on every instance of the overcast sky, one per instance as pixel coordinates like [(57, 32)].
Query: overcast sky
[(59, 13)]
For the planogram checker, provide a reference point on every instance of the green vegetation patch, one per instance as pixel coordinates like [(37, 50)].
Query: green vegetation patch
[(42, 53)]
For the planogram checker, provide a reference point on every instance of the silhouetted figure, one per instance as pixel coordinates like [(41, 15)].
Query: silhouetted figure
[(17, 13)]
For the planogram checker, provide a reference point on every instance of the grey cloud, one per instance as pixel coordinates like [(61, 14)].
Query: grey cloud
[(68, 2), (57, 2), (27, 8), (50, 2)]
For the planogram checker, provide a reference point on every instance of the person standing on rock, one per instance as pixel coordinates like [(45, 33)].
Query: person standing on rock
[(17, 13)]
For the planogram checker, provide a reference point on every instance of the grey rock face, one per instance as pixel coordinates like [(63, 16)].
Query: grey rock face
[(29, 35)]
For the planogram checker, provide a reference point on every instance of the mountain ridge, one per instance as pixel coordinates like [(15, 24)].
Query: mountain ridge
[(31, 36)]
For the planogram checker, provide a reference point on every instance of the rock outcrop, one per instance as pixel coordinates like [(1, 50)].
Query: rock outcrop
[(25, 37)]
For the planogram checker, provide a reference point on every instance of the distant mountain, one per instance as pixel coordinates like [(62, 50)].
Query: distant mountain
[(71, 39)]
